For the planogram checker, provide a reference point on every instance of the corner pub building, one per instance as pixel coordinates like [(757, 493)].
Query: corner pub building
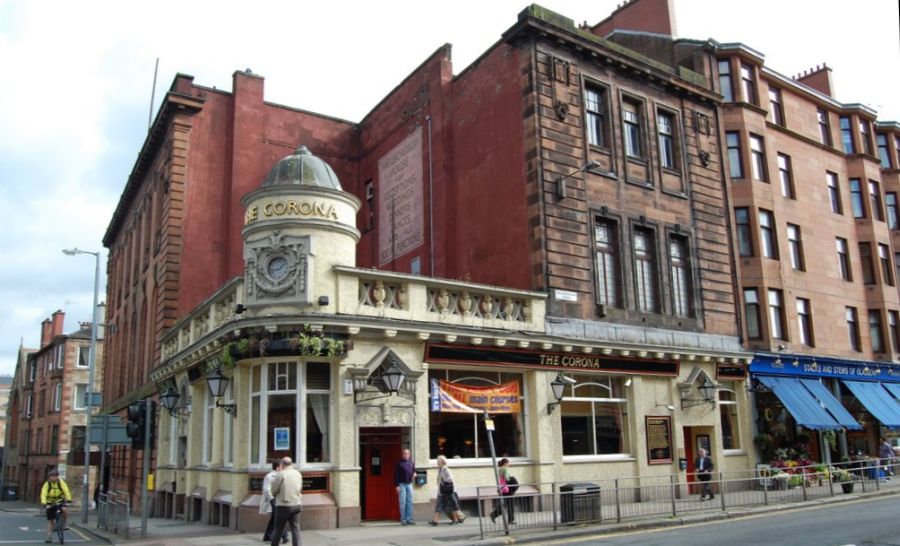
[(598, 255)]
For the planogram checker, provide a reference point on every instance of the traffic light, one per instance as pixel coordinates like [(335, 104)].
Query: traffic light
[(137, 423)]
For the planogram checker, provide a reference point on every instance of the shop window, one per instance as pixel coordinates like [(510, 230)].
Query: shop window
[(593, 416), (275, 396), (462, 435), (728, 413)]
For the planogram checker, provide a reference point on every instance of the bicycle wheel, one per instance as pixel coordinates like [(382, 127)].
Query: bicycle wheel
[(60, 526)]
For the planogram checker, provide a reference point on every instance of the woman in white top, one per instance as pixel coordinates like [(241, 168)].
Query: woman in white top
[(447, 499)]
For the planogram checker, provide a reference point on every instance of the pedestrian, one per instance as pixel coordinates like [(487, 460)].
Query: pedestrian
[(447, 499), (54, 494), (886, 452), (287, 487), (267, 502), (505, 491), (403, 479), (704, 466)]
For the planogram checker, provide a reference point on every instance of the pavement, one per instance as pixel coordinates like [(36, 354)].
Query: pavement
[(166, 532)]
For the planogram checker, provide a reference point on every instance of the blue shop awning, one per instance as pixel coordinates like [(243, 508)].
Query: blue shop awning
[(832, 404), (805, 408), (877, 400), (894, 389)]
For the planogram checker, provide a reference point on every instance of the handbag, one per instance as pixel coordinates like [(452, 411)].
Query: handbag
[(446, 488), (513, 485)]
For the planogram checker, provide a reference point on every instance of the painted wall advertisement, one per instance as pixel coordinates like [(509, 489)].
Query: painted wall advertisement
[(400, 214)]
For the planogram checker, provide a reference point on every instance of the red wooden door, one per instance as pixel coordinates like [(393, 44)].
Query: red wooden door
[(380, 452)]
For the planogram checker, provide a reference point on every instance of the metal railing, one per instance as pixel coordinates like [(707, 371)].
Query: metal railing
[(555, 505), (113, 511)]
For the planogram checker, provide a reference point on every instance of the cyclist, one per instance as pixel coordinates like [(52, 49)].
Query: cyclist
[(55, 491)]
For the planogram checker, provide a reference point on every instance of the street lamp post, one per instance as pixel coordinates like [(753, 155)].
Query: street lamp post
[(89, 394)]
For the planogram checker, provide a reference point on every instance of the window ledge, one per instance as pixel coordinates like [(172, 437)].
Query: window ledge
[(616, 458), (734, 452)]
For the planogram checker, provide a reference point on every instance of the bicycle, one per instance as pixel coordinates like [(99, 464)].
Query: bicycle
[(59, 524)]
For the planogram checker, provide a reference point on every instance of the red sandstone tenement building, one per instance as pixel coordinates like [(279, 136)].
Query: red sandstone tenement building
[(581, 171), (47, 417)]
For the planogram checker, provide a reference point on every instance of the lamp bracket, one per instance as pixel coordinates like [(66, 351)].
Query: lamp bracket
[(230, 409)]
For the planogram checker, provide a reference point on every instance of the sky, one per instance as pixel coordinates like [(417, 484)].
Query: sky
[(75, 94)]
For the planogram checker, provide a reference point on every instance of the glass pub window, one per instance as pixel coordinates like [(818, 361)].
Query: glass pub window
[(594, 416)]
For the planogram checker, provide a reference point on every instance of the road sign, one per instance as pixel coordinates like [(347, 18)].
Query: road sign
[(108, 429)]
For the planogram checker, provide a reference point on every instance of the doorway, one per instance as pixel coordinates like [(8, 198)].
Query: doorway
[(694, 439), (380, 449)]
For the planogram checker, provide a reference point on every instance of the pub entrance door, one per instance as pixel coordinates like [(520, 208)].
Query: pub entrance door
[(694, 439), (380, 450)]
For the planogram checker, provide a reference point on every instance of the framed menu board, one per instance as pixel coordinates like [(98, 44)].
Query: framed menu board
[(659, 439)]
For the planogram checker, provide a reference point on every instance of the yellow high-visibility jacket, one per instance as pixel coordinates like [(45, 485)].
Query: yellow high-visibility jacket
[(55, 492)]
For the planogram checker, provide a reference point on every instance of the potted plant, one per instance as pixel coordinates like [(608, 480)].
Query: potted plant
[(843, 477)]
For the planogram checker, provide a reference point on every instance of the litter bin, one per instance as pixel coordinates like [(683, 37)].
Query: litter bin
[(579, 501)]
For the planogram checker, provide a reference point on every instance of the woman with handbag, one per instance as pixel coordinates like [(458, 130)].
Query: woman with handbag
[(508, 487), (447, 500)]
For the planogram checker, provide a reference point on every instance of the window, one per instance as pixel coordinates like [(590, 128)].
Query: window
[(668, 155), (751, 310), (768, 245), (644, 269), (83, 354), (278, 391), (593, 416), (834, 193), (875, 200), (796, 247), (824, 128), (784, 176), (875, 333), (60, 357), (865, 137), (29, 405), (80, 397), (726, 85), (606, 249), (853, 328), (775, 107), (776, 314), (843, 253), (856, 200), (57, 397), (735, 164), (758, 158), (897, 264), (681, 276), (745, 237), (54, 439), (728, 411), (847, 136), (884, 154), (894, 330), (865, 259), (804, 322), (747, 84), (890, 204), (77, 445), (631, 126), (595, 111), (462, 435), (884, 256)]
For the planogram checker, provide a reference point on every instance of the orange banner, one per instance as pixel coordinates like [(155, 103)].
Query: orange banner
[(465, 399)]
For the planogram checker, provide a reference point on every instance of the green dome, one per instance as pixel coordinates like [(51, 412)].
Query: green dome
[(302, 168)]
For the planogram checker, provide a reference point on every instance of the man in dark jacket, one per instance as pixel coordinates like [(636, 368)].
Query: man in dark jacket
[(704, 466), (403, 478)]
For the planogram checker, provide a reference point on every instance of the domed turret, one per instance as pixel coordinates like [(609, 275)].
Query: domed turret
[(302, 168)]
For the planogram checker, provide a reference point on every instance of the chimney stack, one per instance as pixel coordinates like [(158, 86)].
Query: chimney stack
[(45, 333), (59, 319)]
